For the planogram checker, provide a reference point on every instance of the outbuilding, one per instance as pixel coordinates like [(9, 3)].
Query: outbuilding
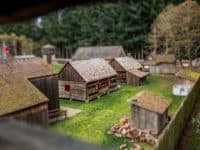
[(128, 70), (149, 111), (28, 90), (187, 76), (49, 53), (86, 79), (106, 52), (162, 63)]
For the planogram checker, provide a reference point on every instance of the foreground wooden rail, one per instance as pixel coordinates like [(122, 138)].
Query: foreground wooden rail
[(20, 136)]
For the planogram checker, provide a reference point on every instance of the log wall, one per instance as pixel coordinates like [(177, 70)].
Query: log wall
[(94, 92), (77, 90)]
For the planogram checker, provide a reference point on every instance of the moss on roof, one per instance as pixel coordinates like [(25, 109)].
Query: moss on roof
[(16, 91), (189, 73)]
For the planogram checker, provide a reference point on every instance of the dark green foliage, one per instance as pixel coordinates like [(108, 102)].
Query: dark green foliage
[(196, 122), (171, 134), (106, 23)]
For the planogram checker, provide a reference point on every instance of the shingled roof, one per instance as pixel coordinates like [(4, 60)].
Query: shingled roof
[(138, 73), (151, 101), (128, 63), (163, 58), (93, 69), (189, 74), (106, 52), (17, 92)]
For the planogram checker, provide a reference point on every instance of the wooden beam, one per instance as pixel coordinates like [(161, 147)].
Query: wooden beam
[(14, 11)]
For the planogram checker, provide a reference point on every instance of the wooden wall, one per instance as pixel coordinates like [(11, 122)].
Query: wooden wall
[(34, 115), (145, 119), (77, 90), (94, 92), (120, 71), (48, 85), (163, 69), (69, 74), (134, 80)]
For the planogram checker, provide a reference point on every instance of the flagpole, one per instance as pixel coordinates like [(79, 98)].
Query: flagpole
[(4, 53)]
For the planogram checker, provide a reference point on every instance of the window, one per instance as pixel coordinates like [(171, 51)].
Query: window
[(108, 82), (98, 86), (67, 87)]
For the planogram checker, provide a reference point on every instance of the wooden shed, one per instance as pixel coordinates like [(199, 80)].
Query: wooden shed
[(187, 76), (149, 111), (106, 52), (86, 79), (49, 53), (128, 70), (28, 90), (162, 64)]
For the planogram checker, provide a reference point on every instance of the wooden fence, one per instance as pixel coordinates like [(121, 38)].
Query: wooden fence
[(169, 138)]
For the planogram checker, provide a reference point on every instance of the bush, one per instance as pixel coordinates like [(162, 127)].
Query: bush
[(196, 123)]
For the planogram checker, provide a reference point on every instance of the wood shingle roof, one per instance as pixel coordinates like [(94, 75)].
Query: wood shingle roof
[(93, 69), (151, 101), (128, 63), (106, 52)]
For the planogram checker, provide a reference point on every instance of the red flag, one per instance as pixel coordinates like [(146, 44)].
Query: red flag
[(5, 48)]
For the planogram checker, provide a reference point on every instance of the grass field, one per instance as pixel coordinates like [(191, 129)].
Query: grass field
[(98, 116)]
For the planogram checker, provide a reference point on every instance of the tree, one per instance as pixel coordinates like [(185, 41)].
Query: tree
[(177, 29)]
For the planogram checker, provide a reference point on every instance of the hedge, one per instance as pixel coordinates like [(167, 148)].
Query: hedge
[(169, 138)]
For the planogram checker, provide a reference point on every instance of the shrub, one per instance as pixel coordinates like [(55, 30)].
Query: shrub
[(196, 123)]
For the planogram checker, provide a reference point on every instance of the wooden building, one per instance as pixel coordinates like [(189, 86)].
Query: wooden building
[(160, 63), (28, 90), (86, 79), (128, 70), (49, 53), (187, 76), (106, 52), (149, 111)]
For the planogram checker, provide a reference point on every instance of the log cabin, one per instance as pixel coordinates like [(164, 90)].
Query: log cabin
[(106, 52), (28, 90), (86, 79), (128, 70), (149, 111)]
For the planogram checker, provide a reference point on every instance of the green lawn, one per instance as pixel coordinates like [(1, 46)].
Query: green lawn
[(56, 67), (98, 116)]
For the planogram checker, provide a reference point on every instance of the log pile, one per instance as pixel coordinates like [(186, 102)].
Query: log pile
[(124, 129)]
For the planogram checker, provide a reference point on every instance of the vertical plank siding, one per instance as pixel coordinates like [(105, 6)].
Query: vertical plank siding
[(163, 69), (69, 74), (49, 87), (35, 115)]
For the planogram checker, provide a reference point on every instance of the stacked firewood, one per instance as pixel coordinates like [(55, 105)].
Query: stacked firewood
[(124, 129)]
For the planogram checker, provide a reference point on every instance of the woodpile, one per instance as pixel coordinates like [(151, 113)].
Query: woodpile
[(124, 129)]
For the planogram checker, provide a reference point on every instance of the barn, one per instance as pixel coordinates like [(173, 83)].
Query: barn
[(106, 52), (28, 90), (86, 79), (149, 111), (162, 63), (128, 70)]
